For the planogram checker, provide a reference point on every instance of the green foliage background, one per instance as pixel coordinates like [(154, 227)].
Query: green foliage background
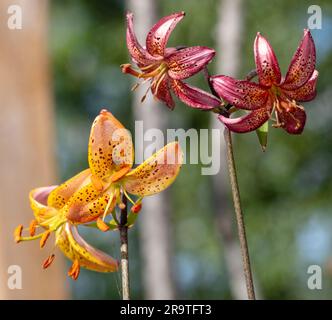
[(286, 192)]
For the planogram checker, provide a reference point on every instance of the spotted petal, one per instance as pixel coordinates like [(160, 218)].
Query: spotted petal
[(157, 37), (162, 92), (186, 62), (156, 173), (248, 122), (86, 204), (136, 51), (194, 97), (60, 195), (305, 93), (240, 93), (302, 65), (266, 62), (293, 120), (110, 148), (77, 249)]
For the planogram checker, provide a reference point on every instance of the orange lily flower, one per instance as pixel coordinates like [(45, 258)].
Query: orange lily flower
[(93, 194)]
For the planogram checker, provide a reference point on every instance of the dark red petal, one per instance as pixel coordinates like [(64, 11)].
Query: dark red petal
[(302, 65), (266, 62), (248, 122), (163, 93), (293, 120), (186, 62), (158, 36), (240, 93), (305, 93), (194, 97), (136, 51)]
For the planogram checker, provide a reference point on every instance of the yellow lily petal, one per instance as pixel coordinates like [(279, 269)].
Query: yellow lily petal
[(110, 147), (87, 204), (156, 173), (76, 249), (59, 196), (38, 202)]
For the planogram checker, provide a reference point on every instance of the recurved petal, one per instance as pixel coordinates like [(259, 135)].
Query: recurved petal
[(186, 62), (156, 173), (293, 120), (110, 146), (157, 37), (194, 97), (60, 195), (302, 65), (162, 92), (76, 248), (248, 122), (38, 202), (266, 62), (240, 93), (305, 93), (136, 51)]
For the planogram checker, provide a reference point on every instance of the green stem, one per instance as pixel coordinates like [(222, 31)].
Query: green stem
[(239, 216), (124, 251), (236, 192)]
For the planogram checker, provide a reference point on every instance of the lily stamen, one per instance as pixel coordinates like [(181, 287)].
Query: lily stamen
[(48, 261), (102, 226), (18, 233), (74, 270), (32, 227), (44, 238)]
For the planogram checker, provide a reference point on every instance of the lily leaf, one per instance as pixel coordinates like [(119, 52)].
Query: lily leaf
[(262, 132)]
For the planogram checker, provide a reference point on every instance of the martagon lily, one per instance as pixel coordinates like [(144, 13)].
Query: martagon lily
[(94, 193), (165, 68), (273, 93)]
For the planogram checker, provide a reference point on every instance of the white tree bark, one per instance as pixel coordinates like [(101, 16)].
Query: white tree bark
[(228, 42), (154, 220), (26, 144)]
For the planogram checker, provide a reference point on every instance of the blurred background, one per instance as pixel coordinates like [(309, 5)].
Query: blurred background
[(62, 67)]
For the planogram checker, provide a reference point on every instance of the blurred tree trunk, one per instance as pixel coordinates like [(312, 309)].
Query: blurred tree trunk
[(26, 141), (228, 41), (154, 222)]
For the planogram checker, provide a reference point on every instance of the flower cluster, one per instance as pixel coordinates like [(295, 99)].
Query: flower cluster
[(95, 193), (272, 95)]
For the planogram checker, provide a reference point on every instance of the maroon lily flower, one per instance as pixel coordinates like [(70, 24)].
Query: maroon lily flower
[(273, 94), (165, 68)]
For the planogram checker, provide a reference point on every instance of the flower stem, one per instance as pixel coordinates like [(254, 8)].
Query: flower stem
[(236, 193), (124, 251), (239, 216)]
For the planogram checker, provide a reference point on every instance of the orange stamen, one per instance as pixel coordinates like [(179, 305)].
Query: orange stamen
[(32, 228), (18, 233), (74, 270), (102, 225), (48, 261), (44, 238), (127, 68), (136, 208)]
